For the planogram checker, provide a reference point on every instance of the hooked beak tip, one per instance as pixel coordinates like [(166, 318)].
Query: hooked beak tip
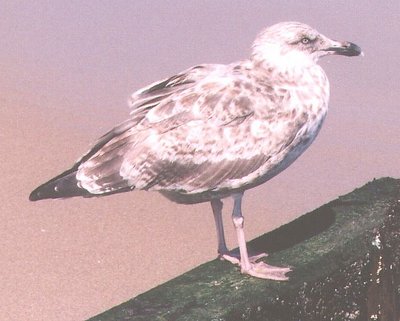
[(346, 49)]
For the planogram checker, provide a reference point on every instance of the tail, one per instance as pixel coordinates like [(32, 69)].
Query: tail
[(66, 185), (63, 186)]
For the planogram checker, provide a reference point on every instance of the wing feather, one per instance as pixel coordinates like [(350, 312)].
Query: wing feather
[(152, 95), (191, 132)]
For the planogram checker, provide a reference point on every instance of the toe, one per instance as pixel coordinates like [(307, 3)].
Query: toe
[(230, 258), (255, 258), (265, 271)]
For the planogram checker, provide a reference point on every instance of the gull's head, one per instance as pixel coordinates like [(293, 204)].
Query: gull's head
[(297, 44)]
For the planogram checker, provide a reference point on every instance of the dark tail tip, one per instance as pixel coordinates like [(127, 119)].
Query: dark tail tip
[(59, 187)]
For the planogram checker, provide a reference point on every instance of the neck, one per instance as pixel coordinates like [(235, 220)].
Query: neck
[(274, 58)]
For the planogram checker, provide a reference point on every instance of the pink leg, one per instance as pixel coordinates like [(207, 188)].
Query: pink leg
[(257, 269), (217, 211), (223, 251)]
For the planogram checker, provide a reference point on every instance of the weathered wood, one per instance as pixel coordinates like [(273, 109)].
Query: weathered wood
[(346, 259)]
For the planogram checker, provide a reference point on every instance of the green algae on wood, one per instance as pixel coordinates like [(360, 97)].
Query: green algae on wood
[(346, 259)]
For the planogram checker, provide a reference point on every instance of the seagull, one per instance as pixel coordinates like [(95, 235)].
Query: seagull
[(214, 131)]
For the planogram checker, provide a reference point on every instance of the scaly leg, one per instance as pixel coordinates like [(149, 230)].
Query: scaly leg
[(216, 206), (223, 251), (257, 269)]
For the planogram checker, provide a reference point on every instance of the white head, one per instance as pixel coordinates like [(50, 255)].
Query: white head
[(294, 44)]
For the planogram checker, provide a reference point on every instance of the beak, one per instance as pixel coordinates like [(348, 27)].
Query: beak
[(344, 48)]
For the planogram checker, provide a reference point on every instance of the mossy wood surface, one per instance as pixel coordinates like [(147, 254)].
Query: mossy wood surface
[(346, 259)]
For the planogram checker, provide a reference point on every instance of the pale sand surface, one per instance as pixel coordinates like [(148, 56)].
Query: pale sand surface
[(66, 71)]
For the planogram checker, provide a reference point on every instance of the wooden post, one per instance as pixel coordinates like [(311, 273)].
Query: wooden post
[(346, 259)]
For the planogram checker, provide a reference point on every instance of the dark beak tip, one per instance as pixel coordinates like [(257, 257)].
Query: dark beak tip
[(353, 50), (346, 49)]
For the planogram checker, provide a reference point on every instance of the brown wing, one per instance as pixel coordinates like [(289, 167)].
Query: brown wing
[(203, 137), (152, 95), (141, 155)]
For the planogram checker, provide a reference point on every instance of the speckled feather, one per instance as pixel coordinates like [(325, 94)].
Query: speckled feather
[(209, 129), (213, 130)]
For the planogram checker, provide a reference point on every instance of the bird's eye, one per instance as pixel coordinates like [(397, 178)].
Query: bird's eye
[(305, 40)]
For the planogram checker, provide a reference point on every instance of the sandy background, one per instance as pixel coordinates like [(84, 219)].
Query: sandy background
[(67, 69)]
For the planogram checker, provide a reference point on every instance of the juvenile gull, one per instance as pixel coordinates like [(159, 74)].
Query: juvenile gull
[(214, 131)]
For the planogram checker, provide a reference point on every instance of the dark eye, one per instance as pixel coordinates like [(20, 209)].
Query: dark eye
[(305, 40)]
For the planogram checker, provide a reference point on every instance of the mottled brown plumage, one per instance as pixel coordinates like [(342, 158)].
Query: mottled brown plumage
[(215, 130)]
